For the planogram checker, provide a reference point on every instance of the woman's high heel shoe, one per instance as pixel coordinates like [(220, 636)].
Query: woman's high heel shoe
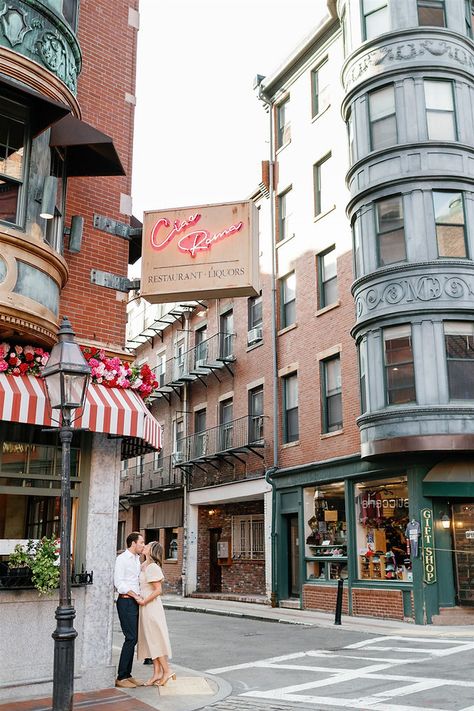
[(164, 680)]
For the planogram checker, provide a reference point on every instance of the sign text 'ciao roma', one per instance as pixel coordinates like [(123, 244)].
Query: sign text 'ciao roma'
[(203, 252)]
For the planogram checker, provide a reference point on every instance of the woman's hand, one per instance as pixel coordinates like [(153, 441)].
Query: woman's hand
[(141, 602)]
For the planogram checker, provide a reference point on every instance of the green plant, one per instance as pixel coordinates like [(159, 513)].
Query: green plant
[(21, 556), (41, 558)]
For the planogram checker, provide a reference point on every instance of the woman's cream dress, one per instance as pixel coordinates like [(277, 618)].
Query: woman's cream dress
[(153, 639)]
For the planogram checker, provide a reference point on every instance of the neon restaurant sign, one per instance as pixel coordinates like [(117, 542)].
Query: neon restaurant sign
[(205, 252)]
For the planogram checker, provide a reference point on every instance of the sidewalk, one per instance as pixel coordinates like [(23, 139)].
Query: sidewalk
[(192, 690), (257, 611)]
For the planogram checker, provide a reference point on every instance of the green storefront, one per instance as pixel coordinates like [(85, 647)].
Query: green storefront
[(400, 534)]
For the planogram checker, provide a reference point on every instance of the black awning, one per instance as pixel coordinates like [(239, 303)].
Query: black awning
[(88, 151), (44, 111), (135, 244)]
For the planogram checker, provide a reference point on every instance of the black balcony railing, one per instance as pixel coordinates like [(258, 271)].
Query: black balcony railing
[(237, 436), (151, 476), (212, 354)]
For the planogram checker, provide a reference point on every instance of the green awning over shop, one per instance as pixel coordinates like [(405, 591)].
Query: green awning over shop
[(451, 477)]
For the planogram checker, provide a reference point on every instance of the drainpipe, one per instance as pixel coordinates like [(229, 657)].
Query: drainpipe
[(269, 474), (185, 474)]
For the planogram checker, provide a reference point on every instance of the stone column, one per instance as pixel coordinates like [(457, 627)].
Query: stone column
[(96, 635)]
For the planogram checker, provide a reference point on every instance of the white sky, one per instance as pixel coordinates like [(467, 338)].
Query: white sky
[(200, 131)]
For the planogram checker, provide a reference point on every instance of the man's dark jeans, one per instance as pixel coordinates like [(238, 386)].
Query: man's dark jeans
[(127, 610)]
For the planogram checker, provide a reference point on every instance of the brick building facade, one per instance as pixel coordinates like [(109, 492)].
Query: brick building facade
[(366, 196)]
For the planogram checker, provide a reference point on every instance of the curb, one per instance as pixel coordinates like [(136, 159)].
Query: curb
[(409, 630), (239, 615)]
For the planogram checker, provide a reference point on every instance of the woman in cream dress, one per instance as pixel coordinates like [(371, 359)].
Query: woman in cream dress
[(153, 639)]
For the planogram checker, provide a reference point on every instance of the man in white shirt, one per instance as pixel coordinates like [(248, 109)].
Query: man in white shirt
[(127, 583)]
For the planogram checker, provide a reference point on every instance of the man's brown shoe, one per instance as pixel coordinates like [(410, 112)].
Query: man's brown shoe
[(126, 683), (137, 682)]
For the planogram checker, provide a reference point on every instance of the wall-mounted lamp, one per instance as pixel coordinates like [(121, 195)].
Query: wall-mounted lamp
[(75, 233), (445, 521), (211, 512), (48, 201)]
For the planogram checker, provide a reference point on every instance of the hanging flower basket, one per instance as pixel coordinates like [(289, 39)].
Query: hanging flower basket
[(111, 372)]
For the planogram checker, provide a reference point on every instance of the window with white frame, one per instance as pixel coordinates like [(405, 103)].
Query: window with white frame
[(327, 277), (376, 18), (431, 13), (469, 16), (284, 215), (323, 195), (320, 88), (459, 343), (450, 223), (121, 536), (288, 300), (390, 231), (440, 114), (283, 123), (248, 538), (160, 370), (382, 118)]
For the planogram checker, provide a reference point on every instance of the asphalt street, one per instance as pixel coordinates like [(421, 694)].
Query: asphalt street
[(280, 666)]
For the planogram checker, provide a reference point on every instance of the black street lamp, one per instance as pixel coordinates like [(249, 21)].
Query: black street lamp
[(66, 376)]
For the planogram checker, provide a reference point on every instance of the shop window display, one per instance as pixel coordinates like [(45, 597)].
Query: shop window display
[(381, 521), (325, 532)]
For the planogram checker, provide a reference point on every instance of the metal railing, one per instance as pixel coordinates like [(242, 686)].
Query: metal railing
[(159, 474), (244, 432), (210, 354)]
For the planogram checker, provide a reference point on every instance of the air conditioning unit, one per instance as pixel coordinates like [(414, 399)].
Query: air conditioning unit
[(254, 335), (177, 458)]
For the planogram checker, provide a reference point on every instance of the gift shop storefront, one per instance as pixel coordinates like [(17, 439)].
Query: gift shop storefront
[(398, 537)]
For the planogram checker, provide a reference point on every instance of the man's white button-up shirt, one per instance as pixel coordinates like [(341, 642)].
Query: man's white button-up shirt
[(127, 573)]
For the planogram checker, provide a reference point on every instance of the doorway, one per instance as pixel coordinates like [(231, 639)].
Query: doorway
[(215, 573), (463, 536), (293, 556)]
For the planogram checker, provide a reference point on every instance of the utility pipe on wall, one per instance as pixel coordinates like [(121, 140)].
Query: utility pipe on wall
[(271, 471)]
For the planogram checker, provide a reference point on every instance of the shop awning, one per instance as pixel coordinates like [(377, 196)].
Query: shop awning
[(451, 477), (88, 151), (113, 411), (43, 110)]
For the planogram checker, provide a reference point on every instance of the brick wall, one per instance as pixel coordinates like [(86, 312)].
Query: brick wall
[(242, 576), (323, 598), (171, 568), (108, 45), (377, 603), (387, 604)]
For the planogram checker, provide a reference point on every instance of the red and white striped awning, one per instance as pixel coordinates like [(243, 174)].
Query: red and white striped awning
[(114, 411)]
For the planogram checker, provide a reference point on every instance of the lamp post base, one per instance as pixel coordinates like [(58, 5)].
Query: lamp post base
[(63, 673)]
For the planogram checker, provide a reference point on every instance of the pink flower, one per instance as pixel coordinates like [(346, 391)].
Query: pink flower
[(28, 350), (45, 359), (3, 365), (18, 350), (4, 348), (93, 362), (16, 371)]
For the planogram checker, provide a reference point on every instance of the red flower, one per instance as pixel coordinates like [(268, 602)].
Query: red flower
[(29, 357), (13, 360), (24, 367)]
